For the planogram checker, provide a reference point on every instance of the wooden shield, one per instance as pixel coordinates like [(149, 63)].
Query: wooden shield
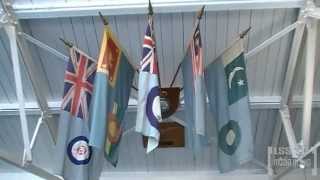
[(169, 100)]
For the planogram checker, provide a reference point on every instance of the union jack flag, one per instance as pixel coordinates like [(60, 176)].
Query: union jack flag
[(196, 52), (78, 84), (149, 59)]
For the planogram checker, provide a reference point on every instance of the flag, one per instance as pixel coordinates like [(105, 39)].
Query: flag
[(110, 97), (149, 111), (73, 150), (227, 87), (194, 92)]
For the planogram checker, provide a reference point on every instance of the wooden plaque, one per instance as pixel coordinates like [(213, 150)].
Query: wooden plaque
[(171, 135)]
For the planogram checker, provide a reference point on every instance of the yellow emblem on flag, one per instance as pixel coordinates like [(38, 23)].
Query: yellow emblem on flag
[(109, 57), (114, 129)]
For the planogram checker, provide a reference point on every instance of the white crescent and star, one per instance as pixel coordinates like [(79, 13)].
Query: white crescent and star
[(232, 74)]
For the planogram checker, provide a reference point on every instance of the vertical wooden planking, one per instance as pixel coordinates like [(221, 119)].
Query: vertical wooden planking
[(138, 156), (122, 31), (167, 37), (297, 124), (43, 146), (178, 48), (34, 52), (260, 132), (54, 67), (245, 23), (267, 137), (91, 38), (79, 34), (262, 61), (136, 35), (67, 33), (160, 48), (6, 71), (211, 36), (188, 20), (222, 26), (98, 26), (317, 70), (254, 39), (283, 53), (233, 27), (273, 52)]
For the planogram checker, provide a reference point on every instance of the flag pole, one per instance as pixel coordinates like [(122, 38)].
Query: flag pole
[(199, 17), (245, 32), (103, 19), (150, 15), (66, 43)]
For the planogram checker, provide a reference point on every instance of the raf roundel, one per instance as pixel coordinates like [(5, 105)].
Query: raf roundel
[(79, 151), (153, 113), (229, 137)]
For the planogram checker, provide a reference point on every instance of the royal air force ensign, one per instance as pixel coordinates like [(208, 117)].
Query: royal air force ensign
[(79, 151)]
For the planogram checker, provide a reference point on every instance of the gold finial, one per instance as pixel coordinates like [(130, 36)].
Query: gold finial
[(150, 13), (66, 43), (200, 12), (245, 32)]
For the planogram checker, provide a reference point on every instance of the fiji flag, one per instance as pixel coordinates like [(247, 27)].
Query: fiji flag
[(194, 92), (228, 95), (149, 112), (110, 97), (73, 150)]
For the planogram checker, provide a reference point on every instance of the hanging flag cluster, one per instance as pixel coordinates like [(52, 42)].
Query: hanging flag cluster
[(96, 96)]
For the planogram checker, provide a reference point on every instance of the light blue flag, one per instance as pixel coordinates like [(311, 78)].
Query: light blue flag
[(194, 93), (149, 111), (110, 97), (227, 89), (74, 154)]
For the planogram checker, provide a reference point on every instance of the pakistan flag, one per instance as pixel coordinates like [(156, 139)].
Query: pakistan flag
[(227, 89)]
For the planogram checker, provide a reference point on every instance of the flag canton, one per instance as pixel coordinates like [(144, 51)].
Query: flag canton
[(78, 84), (196, 52), (236, 79), (149, 59)]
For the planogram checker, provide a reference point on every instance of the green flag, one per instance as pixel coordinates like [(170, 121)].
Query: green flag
[(110, 97), (227, 89)]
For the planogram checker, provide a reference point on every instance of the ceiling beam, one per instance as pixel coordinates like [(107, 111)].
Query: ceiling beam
[(28, 167), (49, 9), (256, 102)]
